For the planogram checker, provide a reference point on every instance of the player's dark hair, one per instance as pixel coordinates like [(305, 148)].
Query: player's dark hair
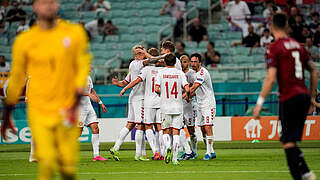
[(2, 56), (170, 59), (279, 21), (168, 45), (154, 52), (266, 30), (100, 21), (109, 22), (197, 55)]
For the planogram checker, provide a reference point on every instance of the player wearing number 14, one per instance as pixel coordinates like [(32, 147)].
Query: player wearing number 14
[(169, 83)]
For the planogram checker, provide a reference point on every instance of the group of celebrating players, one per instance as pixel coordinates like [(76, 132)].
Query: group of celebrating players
[(162, 102)]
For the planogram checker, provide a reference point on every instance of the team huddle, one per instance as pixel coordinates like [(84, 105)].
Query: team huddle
[(162, 100)]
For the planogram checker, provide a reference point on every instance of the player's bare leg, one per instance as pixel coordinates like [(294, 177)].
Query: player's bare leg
[(210, 154), (204, 135), (123, 134)]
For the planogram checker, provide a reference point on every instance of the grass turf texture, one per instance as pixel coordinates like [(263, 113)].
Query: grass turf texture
[(235, 160)]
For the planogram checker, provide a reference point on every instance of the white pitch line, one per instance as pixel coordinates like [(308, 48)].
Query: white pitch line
[(164, 172)]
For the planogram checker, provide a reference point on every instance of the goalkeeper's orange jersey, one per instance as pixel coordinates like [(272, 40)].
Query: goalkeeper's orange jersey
[(57, 63)]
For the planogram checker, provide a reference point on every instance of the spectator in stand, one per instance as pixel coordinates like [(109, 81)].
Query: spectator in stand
[(86, 5), (292, 16), (211, 57), (96, 27), (237, 11), (180, 50), (315, 22), (3, 30), (266, 39), (197, 31), (88, 33), (4, 66), (102, 6), (305, 34), (297, 28), (110, 29), (175, 9), (22, 27), (252, 40), (313, 50), (244, 26), (2, 13), (271, 8), (316, 37), (16, 13)]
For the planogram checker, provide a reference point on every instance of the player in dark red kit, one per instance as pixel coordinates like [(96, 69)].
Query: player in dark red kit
[(286, 61)]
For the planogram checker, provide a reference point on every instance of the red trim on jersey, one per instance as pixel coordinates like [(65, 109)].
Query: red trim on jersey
[(185, 85), (190, 126), (157, 85), (208, 125), (175, 128), (126, 81), (131, 121), (140, 78), (148, 123), (165, 128), (197, 83)]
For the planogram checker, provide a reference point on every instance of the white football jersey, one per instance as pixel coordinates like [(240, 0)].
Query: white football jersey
[(137, 92), (204, 93), (171, 81), (190, 75), (148, 74), (178, 64), (85, 100)]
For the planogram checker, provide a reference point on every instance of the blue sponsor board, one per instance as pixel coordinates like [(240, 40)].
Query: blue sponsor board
[(23, 135)]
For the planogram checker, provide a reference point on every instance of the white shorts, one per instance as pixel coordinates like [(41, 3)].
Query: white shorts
[(87, 116), (136, 112), (174, 121), (206, 116), (152, 116), (189, 118)]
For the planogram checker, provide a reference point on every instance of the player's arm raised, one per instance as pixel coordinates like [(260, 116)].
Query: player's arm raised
[(116, 82), (130, 85), (268, 84)]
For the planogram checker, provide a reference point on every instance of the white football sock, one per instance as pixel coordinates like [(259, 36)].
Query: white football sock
[(209, 145), (123, 134), (151, 139), (162, 147), (194, 143), (176, 140), (156, 136), (183, 142), (144, 143), (32, 150), (138, 138), (95, 144), (166, 141)]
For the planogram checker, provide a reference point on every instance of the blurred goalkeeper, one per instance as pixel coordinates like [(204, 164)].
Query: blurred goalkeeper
[(53, 53)]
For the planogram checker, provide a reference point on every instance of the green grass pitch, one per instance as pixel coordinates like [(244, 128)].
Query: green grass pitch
[(235, 160)]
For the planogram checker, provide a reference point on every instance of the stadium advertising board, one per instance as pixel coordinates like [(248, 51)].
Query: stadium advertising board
[(23, 135), (268, 128)]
